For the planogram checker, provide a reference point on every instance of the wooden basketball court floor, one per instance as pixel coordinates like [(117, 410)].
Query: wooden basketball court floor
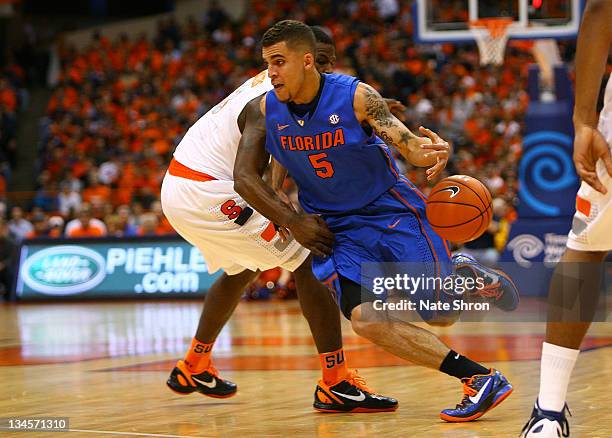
[(104, 366)]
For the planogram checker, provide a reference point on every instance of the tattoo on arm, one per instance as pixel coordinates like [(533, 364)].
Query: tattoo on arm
[(377, 109), (376, 113)]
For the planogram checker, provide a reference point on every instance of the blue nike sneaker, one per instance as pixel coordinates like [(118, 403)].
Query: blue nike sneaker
[(498, 286), (481, 393), (546, 424)]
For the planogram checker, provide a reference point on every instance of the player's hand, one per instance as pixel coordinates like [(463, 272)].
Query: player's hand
[(283, 232), (397, 108), (589, 146), (438, 149), (312, 233)]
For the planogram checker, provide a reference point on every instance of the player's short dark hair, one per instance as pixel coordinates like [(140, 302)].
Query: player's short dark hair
[(295, 33), (321, 36)]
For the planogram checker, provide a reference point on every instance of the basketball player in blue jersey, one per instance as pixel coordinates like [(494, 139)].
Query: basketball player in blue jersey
[(199, 206), (349, 185)]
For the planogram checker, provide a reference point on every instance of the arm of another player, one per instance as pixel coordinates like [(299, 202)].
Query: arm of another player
[(251, 160), (594, 42), (397, 108), (419, 151), (279, 173)]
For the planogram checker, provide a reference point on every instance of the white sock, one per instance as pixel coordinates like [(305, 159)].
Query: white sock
[(555, 372)]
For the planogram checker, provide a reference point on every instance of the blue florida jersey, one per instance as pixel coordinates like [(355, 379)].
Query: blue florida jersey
[(335, 164)]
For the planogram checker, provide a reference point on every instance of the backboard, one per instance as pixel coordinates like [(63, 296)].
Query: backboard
[(448, 20)]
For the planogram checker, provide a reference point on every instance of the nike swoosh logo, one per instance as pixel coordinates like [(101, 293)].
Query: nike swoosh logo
[(393, 225), (478, 396), (281, 127), (453, 189), (494, 278), (211, 385), (360, 397)]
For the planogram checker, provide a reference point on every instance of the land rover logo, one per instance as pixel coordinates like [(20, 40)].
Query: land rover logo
[(64, 270)]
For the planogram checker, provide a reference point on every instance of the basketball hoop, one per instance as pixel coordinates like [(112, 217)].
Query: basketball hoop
[(491, 35)]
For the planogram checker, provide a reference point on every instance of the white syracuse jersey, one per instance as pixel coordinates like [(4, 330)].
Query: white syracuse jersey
[(211, 144)]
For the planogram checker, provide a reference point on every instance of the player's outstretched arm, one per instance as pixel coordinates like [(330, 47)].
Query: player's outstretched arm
[(251, 161), (419, 151), (594, 42)]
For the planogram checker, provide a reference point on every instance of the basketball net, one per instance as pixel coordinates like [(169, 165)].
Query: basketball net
[(491, 35)]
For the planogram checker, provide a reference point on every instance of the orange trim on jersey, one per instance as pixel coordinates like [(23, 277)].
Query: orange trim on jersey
[(329, 282), (424, 231), (269, 232), (182, 171), (445, 242), (583, 206), (415, 190), (388, 158), (420, 195)]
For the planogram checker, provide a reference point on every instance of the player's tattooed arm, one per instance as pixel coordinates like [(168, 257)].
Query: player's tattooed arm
[(251, 161), (429, 151)]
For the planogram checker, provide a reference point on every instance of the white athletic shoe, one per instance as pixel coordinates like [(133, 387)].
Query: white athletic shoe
[(546, 424)]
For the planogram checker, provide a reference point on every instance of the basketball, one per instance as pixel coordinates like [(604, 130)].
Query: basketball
[(459, 208)]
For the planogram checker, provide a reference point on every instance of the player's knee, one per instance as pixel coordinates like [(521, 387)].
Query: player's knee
[(369, 328), (366, 329)]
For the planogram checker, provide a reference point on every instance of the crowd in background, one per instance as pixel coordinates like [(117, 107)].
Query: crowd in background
[(120, 107), (13, 100)]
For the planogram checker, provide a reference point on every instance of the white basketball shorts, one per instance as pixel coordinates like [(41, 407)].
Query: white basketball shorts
[(592, 224), (231, 235)]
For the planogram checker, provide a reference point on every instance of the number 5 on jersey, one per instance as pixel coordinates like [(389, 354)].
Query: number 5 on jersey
[(323, 168)]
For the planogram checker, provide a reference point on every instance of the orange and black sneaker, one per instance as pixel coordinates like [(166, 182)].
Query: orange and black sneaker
[(208, 382), (351, 395)]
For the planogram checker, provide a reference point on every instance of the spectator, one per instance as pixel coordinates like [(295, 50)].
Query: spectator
[(114, 225), (56, 227), (85, 225), (68, 200), (96, 194), (18, 225), (148, 225), (126, 221), (41, 227), (8, 247), (46, 197)]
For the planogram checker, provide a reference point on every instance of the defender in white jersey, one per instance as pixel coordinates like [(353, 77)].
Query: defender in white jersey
[(199, 200), (575, 285), (593, 219)]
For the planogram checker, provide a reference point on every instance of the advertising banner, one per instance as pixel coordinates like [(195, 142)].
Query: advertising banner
[(106, 268), (534, 248)]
